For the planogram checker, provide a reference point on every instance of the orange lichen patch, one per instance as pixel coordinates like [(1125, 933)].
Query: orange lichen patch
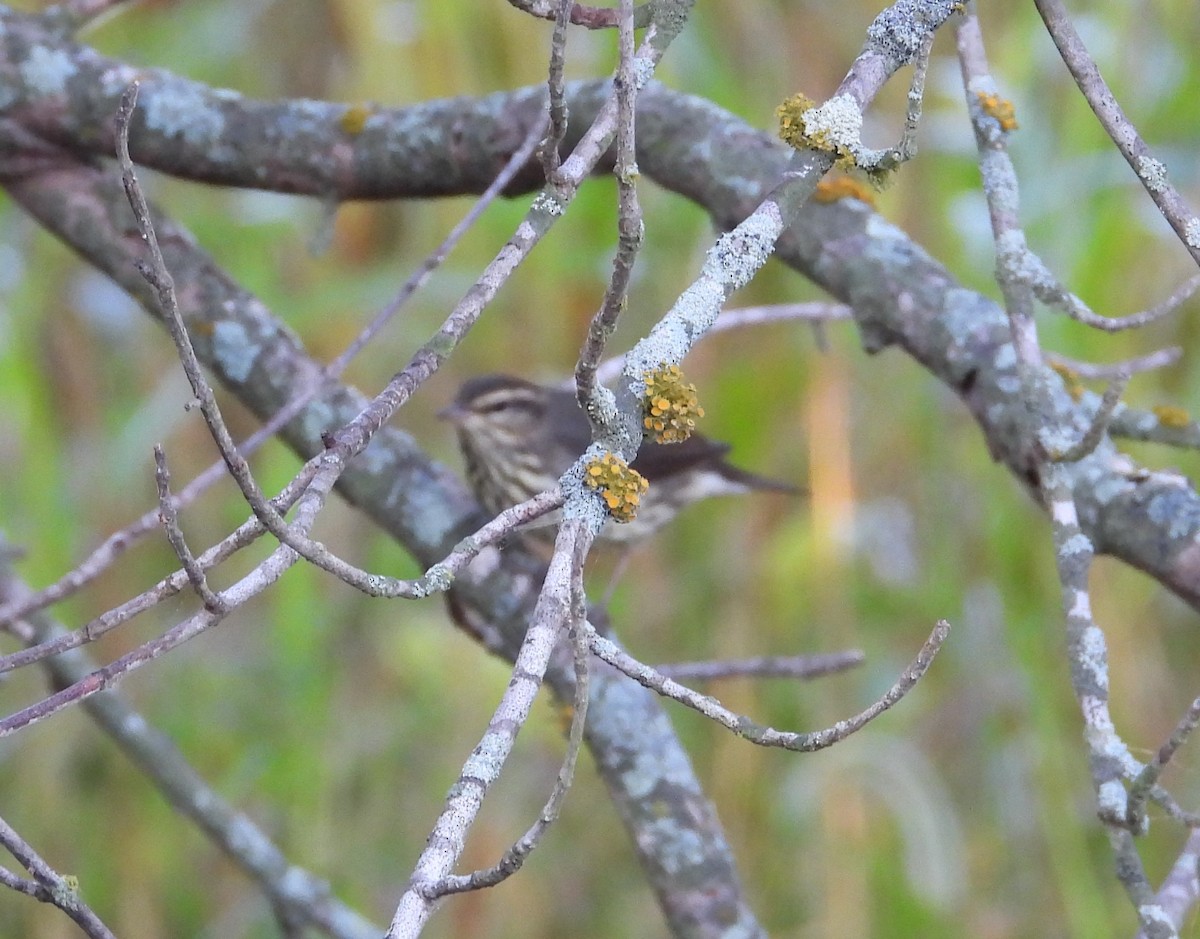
[(833, 188), (999, 108), (1170, 416), (620, 486), (670, 404), (354, 118), (804, 126), (791, 120), (1070, 379)]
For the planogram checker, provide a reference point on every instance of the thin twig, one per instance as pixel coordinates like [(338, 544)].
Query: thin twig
[(907, 148), (1180, 889), (589, 17), (51, 887), (832, 115), (432, 261), (1133, 878), (254, 583), (1170, 426), (1151, 171), (630, 227), (710, 707), (814, 313), (118, 542), (1108, 371), (1016, 257), (1168, 803), (514, 858), (439, 577), (1097, 429), (287, 885), (19, 884), (445, 842), (1111, 761), (556, 108), (245, 534), (170, 521), (159, 277), (1144, 782), (802, 667)]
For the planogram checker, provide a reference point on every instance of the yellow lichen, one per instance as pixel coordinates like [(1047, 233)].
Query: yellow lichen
[(1070, 379), (999, 108), (620, 486), (354, 118), (805, 126), (791, 120), (670, 404), (1170, 416), (833, 188)]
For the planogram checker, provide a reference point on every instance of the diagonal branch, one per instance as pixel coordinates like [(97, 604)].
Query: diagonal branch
[(48, 885), (1150, 171), (289, 887), (426, 508)]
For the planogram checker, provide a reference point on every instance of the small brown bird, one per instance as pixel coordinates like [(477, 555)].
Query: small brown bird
[(517, 438)]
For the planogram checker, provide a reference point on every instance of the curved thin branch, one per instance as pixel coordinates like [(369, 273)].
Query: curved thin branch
[(711, 708), (799, 667)]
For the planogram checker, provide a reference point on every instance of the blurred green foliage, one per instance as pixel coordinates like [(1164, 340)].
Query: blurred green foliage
[(337, 722)]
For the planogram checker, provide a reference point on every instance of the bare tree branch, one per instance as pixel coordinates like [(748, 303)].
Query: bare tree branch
[(802, 667), (1110, 496), (170, 520), (48, 885), (611, 653), (288, 886), (1150, 171), (1111, 762), (117, 543), (1180, 891), (514, 858), (445, 842), (630, 227), (1109, 371), (590, 17)]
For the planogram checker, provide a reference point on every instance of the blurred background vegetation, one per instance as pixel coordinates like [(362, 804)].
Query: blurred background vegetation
[(338, 722)]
